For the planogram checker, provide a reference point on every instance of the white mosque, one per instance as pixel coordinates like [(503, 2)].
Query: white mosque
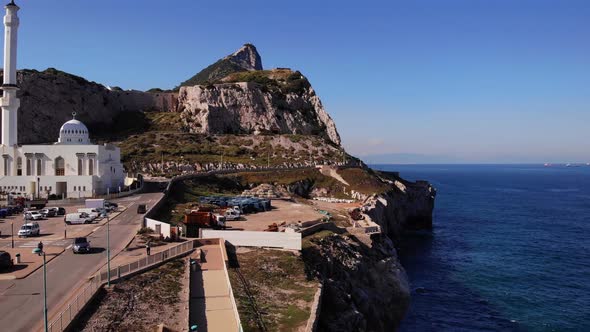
[(71, 167)]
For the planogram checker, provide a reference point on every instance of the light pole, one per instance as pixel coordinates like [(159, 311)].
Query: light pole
[(39, 251), (38, 186), (12, 233), (108, 253)]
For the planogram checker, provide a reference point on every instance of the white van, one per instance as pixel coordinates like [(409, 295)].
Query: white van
[(78, 218), (30, 229), (93, 213)]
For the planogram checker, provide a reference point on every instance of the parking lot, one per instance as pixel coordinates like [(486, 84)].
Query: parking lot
[(54, 232), (283, 211)]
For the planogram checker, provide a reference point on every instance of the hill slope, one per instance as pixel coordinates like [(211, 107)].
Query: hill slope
[(244, 59)]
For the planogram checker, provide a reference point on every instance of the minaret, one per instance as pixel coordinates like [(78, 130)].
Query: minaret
[(9, 102)]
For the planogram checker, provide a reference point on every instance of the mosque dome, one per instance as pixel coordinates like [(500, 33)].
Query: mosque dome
[(73, 132)]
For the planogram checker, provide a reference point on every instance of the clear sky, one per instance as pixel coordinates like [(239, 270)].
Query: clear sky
[(412, 81)]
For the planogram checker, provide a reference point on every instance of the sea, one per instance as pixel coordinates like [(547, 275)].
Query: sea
[(509, 249)]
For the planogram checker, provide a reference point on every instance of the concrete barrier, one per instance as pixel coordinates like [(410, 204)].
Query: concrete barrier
[(281, 240)]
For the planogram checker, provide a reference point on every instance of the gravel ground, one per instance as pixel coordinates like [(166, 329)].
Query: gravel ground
[(141, 302)]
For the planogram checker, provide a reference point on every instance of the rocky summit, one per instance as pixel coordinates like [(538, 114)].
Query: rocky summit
[(244, 59)]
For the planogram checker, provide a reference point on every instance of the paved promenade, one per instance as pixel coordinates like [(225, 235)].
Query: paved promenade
[(211, 306)]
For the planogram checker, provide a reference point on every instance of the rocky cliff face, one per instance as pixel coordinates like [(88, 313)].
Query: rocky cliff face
[(365, 286), (253, 108), (49, 97), (365, 289), (246, 57), (408, 206)]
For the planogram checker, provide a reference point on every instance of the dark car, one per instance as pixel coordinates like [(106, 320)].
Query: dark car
[(48, 212), (5, 260), (61, 211), (80, 245), (141, 208)]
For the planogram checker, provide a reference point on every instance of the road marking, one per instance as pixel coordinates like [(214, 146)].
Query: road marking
[(68, 247), (94, 230)]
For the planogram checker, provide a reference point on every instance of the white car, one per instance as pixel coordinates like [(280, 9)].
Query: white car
[(231, 215), (30, 229), (33, 215)]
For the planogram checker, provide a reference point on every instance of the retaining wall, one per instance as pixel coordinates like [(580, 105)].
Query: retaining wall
[(283, 240)]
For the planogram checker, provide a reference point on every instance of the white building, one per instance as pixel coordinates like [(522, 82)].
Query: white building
[(71, 167)]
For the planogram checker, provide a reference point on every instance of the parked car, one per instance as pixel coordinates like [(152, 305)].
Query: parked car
[(30, 229), (59, 211), (5, 260), (48, 212), (231, 215), (78, 218), (3, 213), (111, 206), (81, 244), (141, 208), (33, 215)]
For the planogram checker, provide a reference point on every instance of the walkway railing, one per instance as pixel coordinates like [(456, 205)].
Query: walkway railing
[(63, 319)]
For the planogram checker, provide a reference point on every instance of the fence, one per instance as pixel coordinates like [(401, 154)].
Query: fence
[(64, 318)]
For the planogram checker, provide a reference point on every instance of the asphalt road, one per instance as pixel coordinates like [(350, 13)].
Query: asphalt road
[(21, 301)]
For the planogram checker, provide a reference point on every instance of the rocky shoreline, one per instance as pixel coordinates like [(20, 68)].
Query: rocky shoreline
[(365, 286)]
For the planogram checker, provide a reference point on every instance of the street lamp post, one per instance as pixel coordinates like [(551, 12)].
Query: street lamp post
[(38, 187), (39, 251), (108, 253), (12, 233)]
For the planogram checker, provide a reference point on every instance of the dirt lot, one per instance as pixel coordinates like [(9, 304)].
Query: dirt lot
[(141, 302), (283, 211), (282, 294)]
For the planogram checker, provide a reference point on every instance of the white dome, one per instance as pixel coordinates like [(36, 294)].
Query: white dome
[(73, 132)]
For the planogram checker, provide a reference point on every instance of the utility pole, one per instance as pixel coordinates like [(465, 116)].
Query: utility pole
[(39, 251), (12, 233), (108, 253), (45, 292)]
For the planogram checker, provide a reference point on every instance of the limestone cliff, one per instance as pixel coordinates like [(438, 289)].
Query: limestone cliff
[(407, 206), (49, 97), (365, 286), (276, 101)]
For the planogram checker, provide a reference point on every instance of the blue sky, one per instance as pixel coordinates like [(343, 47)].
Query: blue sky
[(412, 81)]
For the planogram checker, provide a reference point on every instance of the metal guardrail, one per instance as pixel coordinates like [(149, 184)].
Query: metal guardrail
[(63, 319)]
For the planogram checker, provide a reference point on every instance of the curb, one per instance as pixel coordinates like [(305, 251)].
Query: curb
[(55, 255)]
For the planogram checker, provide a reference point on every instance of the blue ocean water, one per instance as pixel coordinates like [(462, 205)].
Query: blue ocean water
[(510, 249)]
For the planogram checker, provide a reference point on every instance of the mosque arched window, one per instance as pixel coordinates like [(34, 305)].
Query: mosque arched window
[(60, 166), (19, 166)]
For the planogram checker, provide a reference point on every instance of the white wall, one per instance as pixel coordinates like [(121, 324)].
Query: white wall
[(165, 228), (256, 239)]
